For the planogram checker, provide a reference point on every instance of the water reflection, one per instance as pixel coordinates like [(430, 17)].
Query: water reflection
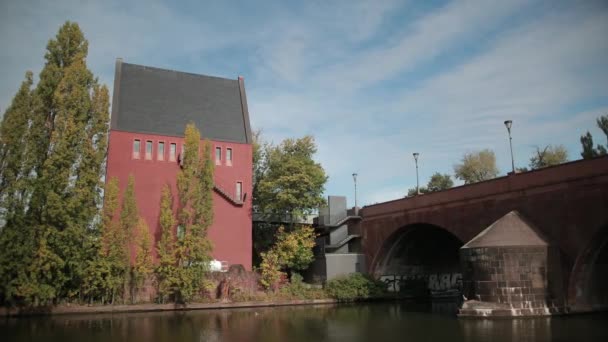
[(368, 322)]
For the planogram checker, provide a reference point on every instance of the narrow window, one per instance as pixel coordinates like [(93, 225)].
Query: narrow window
[(172, 151), (148, 150), (229, 156), (161, 151), (218, 156), (136, 148), (239, 191)]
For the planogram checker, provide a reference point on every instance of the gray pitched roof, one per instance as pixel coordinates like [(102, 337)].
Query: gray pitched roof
[(510, 230), (158, 101)]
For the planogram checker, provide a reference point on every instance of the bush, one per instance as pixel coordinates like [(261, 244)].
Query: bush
[(354, 286), (297, 289)]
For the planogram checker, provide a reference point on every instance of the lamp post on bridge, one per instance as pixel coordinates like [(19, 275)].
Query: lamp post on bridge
[(508, 124), (355, 180), (416, 154)]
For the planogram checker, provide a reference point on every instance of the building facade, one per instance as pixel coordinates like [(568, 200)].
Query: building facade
[(150, 110)]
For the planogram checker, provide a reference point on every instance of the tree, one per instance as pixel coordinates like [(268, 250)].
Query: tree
[(548, 156), (290, 182), (413, 191), (587, 140), (602, 123), (439, 182), (13, 131), (52, 172), (143, 267), (476, 167), (166, 269), (129, 221), (195, 216), (15, 241), (292, 250), (104, 276)]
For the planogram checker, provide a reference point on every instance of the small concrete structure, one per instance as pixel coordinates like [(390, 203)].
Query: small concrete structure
[(338, 243), (510, 269)]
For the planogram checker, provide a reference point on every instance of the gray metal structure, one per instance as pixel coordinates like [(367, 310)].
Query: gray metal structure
[(338, 244)]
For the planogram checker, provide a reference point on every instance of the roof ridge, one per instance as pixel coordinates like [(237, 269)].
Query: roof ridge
[(180, 72)]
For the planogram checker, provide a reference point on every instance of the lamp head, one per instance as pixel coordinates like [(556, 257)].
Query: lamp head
[(508, 124), (355, 176), (416, 154)]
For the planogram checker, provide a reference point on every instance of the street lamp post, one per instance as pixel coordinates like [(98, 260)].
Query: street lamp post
[(416, 154), (508, 124), (355, 179)]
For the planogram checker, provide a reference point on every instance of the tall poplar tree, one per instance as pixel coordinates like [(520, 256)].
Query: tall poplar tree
[(13, 130), (166, 270), (195, 186), (64, 150), (143, 265), (129, 219), (15, 242), (104, 277)]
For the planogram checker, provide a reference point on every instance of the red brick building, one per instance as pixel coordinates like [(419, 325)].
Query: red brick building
[(150, 110)]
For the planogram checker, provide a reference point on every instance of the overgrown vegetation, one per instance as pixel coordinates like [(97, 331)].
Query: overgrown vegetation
[(354, 286), (292, 251)]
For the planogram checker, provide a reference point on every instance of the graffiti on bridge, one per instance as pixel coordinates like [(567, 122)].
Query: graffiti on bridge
[(436, 283)]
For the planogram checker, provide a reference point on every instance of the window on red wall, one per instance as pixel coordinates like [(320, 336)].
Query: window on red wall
[(239, 191), (218, 156), (161, 150), (172, 151), (229, 156), (149, 150), (136, 148)]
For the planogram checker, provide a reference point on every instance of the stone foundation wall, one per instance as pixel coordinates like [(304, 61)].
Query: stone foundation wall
[(516, 279)]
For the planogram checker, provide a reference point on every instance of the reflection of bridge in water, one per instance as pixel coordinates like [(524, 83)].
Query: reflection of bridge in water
[(549, 252)]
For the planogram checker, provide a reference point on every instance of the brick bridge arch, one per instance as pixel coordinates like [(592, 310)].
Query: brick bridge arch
[(568, 203)]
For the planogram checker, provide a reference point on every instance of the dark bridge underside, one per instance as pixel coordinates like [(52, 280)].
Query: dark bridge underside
[(421, 261)]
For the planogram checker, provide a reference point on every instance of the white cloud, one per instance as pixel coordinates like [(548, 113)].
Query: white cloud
[(374, 81)]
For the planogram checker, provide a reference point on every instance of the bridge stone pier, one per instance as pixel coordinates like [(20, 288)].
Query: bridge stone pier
[(531, 243)]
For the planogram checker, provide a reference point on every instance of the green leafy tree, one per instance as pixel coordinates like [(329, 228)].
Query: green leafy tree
[(64, 149), (292, 250), (548, 156), (602, 123), (104, 277), (16, 243), (13, 131), (166, 270), (129, 219), (437, 182), (587, 140), (476, 167), (195, 216), (291, 181), (413, 191), (143, 266)]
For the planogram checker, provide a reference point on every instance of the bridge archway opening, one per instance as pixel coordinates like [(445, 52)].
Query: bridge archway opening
[(590, 277), (421, 261)]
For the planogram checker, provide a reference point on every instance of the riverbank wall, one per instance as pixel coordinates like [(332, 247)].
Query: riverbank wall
[(104, 309)]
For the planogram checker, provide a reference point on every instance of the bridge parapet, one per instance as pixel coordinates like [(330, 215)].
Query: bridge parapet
[(559, 175)]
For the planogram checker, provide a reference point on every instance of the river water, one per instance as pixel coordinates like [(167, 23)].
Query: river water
[(358, 322)]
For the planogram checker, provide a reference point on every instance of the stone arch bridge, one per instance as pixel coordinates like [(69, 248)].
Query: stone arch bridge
[(414, 243)]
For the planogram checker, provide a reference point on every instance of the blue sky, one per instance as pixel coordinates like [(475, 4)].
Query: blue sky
[(373, 81)]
